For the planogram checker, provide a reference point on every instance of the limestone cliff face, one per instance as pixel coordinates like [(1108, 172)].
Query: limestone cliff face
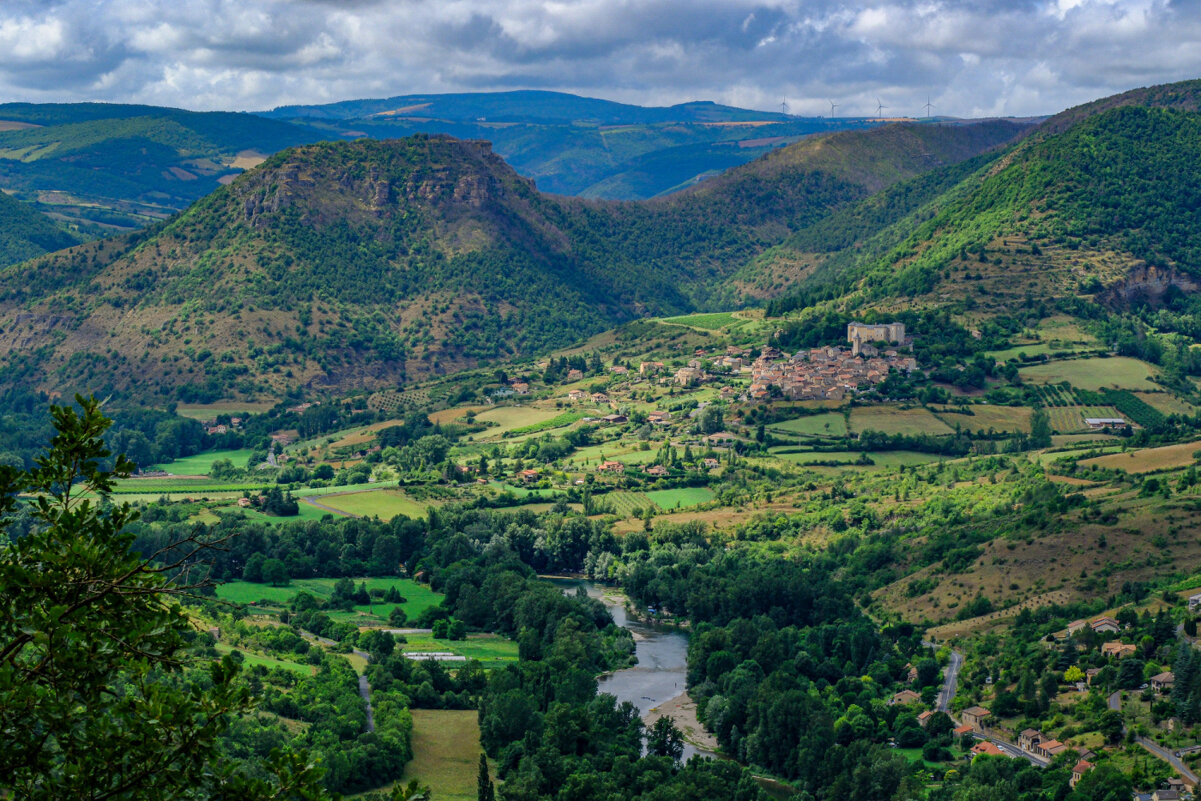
[(1147, 282)]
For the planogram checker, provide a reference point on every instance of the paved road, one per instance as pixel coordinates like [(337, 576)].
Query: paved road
[(338, 512), (365, 691), (950, 684), (1154, 748)]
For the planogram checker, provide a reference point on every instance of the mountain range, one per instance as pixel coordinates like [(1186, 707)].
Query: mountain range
[(370, 263), (101, 169)]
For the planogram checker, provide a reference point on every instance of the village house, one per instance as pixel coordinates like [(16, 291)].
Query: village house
[(577, 395), (687, 376), (574, 375), (611, 467), (650, 368), (1082, 767), (1075, 626), (720, 438), (975, 716), (599, 397), (1194, 602), (985, 748), (905, 697), (924, 718), (619, 369), (710, 463), (1105, 625), (1162, 682), (659, 418), (528, 475), (656, 470), (521, 388), (615, 418), (1121, 650)]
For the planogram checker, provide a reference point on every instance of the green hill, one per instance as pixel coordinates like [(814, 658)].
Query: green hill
[(371, 263), (26, 233), (1104, 196)]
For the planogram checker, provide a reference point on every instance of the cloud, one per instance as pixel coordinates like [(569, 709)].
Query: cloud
[(970, 57)]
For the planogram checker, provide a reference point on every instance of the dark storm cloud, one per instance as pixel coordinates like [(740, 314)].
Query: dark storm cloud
[(971, 58)]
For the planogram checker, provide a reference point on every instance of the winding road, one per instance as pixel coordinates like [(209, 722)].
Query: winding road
[(1154, 748)]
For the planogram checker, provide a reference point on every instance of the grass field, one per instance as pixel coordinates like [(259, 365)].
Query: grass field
[(208, 411), (202, 463), (1121, 372), (384, 504), (305, 511), (891, 420), (998, 418), (418, 597), (708, 322), (484, 647), (680, 498), (831, 424), (251, 659), (446, 752), (1148, 459)]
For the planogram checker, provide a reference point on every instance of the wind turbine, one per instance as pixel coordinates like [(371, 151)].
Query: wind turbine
[(833, 106), (928, 106), (879, 107), (784, 106)]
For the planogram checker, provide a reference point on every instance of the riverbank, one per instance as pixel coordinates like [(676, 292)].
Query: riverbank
[(681, 710)]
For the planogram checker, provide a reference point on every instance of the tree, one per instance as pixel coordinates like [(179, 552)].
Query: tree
[(484, 789), (1040, 429), (95, 700), (275, 572), (664, 739)]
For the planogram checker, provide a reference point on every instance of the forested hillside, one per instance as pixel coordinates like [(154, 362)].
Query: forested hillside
[(368, 263), (25, 232)]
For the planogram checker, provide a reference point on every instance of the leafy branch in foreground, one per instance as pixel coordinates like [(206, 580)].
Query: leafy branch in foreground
[(97, 699)]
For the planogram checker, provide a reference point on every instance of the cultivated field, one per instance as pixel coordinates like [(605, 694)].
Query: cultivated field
[(680, 498), (508, 418), (1071, 418), (1120, 372), (624, 502), (1167, 403), (1149, 459), (997, 418), (384, 504), (446, 752), (831, 424), (891, 420)]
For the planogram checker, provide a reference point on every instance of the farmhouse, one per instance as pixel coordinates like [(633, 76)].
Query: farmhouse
[(1105, 625), (574, 374), (710, 463), (975, 716), (1075, 626), (1082, 767), (599, 397), (615, 418), (1101, 423), (1162, 682), (611, 467), (577, 395), (1121, 650), (528, 475), (656, 470), (659, 418), (905, 697), (924, 718)]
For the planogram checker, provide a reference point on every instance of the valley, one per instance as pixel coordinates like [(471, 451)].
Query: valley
[(879, 411)]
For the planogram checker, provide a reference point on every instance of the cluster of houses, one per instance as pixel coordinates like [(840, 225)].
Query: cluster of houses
[(213, 428), (822, 373)]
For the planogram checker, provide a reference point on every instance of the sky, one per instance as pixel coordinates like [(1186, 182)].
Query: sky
[(969, 59)]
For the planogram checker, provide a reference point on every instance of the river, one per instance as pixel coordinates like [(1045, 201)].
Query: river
[(659, 677)]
